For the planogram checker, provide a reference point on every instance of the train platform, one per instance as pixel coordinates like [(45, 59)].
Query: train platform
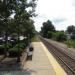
[(42, 63)]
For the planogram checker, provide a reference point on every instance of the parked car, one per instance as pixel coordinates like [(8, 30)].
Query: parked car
[(10, 40), (2, 40)]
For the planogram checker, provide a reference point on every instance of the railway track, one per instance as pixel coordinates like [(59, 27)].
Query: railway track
[(61, 56)]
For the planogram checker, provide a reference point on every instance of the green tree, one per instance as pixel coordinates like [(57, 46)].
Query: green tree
[(47, 26), (22, 17), (21, 20), (5, 12), (71, 29)]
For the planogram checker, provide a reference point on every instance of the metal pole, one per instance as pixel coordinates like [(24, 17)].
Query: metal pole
[(18, 58)]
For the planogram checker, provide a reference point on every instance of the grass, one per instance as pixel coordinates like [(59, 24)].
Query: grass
[(70, 43), (35, 39)]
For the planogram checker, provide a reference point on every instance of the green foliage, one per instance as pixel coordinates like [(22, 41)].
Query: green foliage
[(21, 19), (3, 48), (71, 29), (24, 41), (21, 24), (70, 43), (49, 34), (5, 45), (17, 49), (47, 26), (21, 45), (59, 36)]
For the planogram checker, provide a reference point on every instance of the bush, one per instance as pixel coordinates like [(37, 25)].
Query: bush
[(59, 36), (70, 43), (17, 49), (49, 34), (24, 41), (21, 45), (14, 51), (7, 45), (3, 48)]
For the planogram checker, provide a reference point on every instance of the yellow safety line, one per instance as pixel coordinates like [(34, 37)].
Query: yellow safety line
[(56, 66)]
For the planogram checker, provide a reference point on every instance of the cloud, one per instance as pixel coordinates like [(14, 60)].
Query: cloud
[(41, 16), (73, 3), (59, 20), (60, 12)]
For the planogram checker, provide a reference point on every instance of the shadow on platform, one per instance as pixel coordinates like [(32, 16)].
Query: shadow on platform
[(11, 64), (13, 68)]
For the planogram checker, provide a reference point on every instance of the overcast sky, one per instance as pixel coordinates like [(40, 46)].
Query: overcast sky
[(60, 12)]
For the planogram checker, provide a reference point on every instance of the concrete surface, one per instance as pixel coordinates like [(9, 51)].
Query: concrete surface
[(39, 65)]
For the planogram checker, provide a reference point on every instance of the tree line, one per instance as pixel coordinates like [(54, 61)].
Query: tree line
[(48, 31)]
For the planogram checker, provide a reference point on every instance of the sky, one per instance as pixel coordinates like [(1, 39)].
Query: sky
[(60, 12)]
